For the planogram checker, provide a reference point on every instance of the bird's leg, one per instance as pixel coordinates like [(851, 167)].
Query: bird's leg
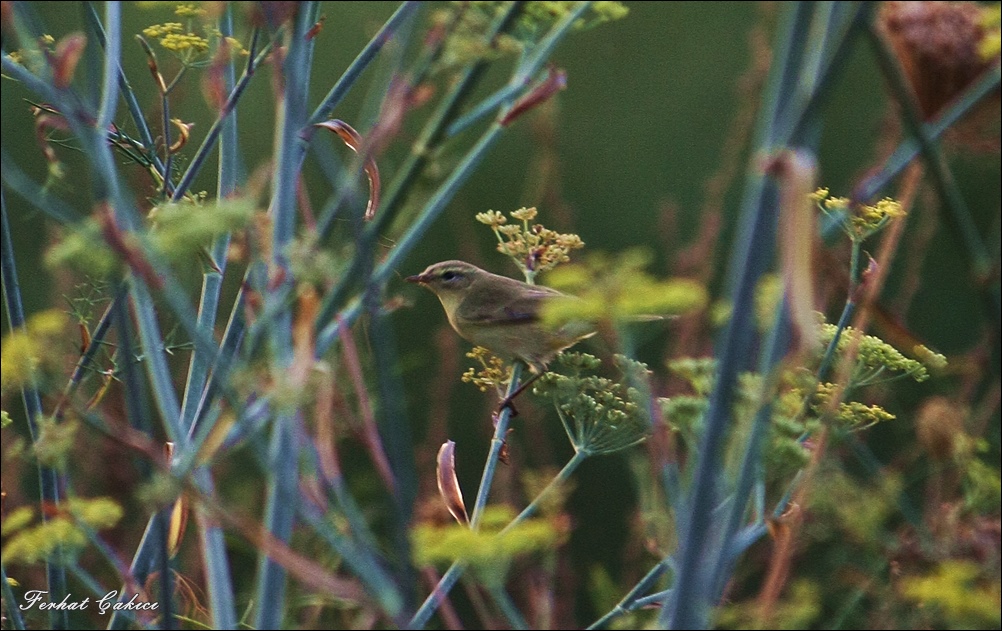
[(507, 401)]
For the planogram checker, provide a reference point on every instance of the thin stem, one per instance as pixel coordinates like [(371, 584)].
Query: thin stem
[(361, 559), (219, 582), (29, 190), (751, 468), (494, 454), (11, 600), (209, 142), (689, 603), (168, 155), (453, 574), (112, 53), (131, 102), (347, 80), (508, 608), (49, 479), (910, 146), (959, 216), (627, 603), (827, 360), (558, 480), (280, 513)]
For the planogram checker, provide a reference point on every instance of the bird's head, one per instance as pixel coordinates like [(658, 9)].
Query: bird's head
[(448, 278)]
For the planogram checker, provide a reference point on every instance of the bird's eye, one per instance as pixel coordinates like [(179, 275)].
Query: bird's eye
[(450, 276)]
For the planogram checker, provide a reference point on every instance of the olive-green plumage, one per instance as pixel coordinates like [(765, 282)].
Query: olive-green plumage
[(500, 313)]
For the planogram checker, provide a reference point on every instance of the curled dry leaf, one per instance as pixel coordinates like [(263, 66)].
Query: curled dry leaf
[(65, 59), (354, 140), (151, 63), (448, 483), (555, 81), (184, 133), (794, 172)]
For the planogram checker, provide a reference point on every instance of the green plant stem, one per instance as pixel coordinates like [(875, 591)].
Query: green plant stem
[(362, 561), (38, 196), (282, 481), (688, 606), (494, 453), (424, 147), (397, 438), (219, 582), (455, 571), (254, 59), (126, 220), (347, 80), (785, 116), (11, 600), (112, 59), (626, 604), (958, 216), (131, 102), (137, 411), (48, 478), (910, 147), (484, 108), (96, 341), (840, 22), (828, 359), (200, 362), (507, 607), (558, 480), (434, 207), (751, 468)]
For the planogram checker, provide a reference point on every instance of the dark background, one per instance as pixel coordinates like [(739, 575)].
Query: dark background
[(636, 137)]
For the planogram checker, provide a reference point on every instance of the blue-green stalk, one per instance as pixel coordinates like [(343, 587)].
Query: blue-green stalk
[(959, 216), (48, 478)]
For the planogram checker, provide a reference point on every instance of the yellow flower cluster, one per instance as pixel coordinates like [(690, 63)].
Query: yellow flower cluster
[(469, 23), (189, 11), (533, 247), (181, 42), (876, 359), (493, 373), (618, 289), (181, 39), (991, 20), (31, 351), (64, 534), (859, 221), (491, 548), (158, 31)]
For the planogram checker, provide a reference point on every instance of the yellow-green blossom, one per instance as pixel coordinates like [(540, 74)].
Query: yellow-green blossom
[(64, 533), (533, 247), (189, 11), (991, 20), (617, 289), (876, 359), (31, 352), (859, 221), (599, 415), (162, 30), (957, 590), (489, 549), (493, 373)]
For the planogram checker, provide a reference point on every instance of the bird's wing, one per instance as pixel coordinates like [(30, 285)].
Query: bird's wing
[(518, 307)]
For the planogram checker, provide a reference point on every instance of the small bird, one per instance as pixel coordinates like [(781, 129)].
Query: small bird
[(501, 314)]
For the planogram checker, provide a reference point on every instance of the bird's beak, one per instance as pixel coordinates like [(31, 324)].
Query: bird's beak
[(420, 279)]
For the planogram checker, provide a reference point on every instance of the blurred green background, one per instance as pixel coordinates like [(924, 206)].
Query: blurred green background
[(624, 156)]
